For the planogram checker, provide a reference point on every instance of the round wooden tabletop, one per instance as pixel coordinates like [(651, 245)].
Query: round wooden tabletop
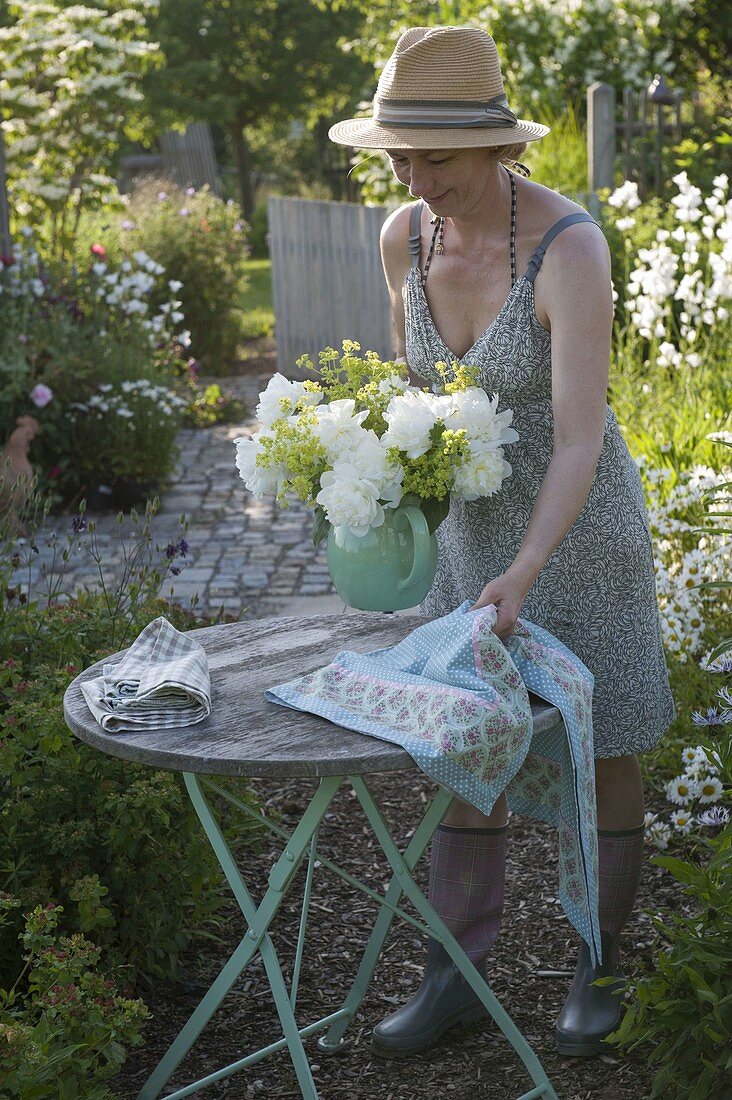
[(247, 735)]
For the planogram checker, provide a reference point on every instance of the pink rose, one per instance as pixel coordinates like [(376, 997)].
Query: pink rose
[(40, 395), (99, 250)]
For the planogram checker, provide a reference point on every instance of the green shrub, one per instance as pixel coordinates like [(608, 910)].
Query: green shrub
[(117, 845), (83, 352), (68, 1034), (681, 1005), (201, 241)]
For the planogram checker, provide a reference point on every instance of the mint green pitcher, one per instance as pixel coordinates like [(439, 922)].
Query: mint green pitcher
[(389, 568)]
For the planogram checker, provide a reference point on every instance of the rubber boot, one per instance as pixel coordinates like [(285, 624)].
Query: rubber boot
[(590, 1012), (467, 878)]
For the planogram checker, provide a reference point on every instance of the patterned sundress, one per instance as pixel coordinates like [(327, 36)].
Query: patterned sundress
[(597, 591)]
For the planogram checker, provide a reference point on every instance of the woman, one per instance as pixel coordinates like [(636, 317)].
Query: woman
[(503, 274)]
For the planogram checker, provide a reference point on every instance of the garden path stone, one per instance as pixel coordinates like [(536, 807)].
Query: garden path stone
[(246, 557)]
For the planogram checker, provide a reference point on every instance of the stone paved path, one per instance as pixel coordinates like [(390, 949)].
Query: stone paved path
[(249, 556)]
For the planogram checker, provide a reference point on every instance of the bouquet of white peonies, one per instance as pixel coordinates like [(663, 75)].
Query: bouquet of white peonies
[(360, 440)]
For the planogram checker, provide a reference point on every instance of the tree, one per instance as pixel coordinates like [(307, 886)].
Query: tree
[(246, 63), (69, 85)]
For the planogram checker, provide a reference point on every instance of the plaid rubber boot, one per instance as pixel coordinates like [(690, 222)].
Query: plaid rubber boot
[(467, 880), (591, 1012)]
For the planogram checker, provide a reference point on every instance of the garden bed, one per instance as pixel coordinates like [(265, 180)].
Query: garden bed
[(477, 1063)]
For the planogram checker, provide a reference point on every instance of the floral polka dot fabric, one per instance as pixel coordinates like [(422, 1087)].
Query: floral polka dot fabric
[(457, 700)]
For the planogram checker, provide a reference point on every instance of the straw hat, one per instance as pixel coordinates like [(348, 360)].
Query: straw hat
[(441, 89)]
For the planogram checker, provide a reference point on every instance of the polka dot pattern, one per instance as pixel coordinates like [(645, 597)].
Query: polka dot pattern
[(457, 700)]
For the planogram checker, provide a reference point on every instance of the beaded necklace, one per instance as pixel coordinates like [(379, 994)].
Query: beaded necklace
[(436, 245)]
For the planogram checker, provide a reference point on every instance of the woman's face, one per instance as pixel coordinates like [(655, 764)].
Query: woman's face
[(449, 180)]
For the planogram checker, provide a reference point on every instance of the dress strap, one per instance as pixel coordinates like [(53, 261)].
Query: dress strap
[(415, 232), (556, 229)]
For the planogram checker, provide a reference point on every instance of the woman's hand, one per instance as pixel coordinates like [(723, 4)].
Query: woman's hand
[(506, 593)]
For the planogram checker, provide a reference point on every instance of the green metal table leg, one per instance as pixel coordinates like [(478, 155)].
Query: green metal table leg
[(413, 853), (441, 933), (257, 938)]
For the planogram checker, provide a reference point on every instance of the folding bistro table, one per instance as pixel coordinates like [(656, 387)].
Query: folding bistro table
[(248, 736)]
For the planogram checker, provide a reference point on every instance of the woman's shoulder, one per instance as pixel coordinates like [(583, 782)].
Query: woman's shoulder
[(542, 207), (394, 240), (395, 229)]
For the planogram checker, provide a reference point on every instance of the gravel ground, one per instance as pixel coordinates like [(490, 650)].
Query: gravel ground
[(475, 1062)]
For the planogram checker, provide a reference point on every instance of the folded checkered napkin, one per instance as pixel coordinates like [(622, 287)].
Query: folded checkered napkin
[(161, 681)]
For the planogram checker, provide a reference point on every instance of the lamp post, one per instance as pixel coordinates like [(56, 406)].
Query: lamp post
[(661, 95)]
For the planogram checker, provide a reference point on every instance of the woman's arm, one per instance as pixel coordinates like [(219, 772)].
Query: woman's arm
[(577, 294), (395, 260)]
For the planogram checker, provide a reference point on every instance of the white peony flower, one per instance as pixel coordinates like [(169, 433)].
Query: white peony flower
[(350, 500), (475, 411), (338, 427), (278, 390), (259, 480), (368, 457), (410, 416), (482, 473)]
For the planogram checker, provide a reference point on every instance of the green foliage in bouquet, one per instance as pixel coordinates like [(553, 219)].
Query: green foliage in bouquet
[(68, 1033)]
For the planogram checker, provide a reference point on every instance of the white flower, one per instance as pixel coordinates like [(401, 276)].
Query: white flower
[(184, 339), (175, 285), (624, 223), (410, 417), (259, 480), (279, 391), (709, 788), (659, 834), (681, 790), (625, 197), (482, 473), (350, 500), (338, 426), (476, 412), (368, 457), (682, 821), (393, 382)]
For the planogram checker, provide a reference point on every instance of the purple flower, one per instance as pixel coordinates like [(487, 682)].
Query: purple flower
[(162, 196), (40, 395), (711, 718), (194, 366), (238, 226), (176, 550), (718, 815), (190, 190), (23, 338), (723, 663), (126, 224), (184, 211)]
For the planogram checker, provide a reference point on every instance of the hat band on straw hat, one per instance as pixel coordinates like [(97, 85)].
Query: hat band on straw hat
[(439, 114)]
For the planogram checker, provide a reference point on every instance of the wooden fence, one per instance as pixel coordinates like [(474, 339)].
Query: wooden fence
[(644, 126), (327, 280)]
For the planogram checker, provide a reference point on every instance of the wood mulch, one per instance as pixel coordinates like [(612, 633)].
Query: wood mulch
[(474, 1063)]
